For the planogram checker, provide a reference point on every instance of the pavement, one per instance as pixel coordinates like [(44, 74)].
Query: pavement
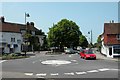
[(101, 56)]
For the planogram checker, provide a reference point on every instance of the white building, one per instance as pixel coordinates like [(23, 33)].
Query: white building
[(10, 42), (111, 40), (10, 37)]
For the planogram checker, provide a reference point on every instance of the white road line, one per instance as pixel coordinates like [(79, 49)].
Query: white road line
[(41, 74), (70, 55), (54, 74), (40, 77), (74, 60), (2, 61), (115, 69), (69, 73), (80, 72), (28, 74), (92, 71), (104, 69)]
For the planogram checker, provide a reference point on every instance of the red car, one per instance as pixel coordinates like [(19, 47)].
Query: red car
[(87, 54)]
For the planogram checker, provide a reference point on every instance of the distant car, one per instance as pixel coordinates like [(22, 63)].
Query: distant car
[(87, 54), (69, 51), (79, 51)]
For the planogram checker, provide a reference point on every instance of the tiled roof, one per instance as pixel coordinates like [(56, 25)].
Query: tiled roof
[(112, 28), (14, 27)]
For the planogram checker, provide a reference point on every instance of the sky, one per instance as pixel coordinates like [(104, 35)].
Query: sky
[(87, 15)]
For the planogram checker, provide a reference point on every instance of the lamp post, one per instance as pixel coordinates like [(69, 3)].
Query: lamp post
[(25, 38), (90, 32)]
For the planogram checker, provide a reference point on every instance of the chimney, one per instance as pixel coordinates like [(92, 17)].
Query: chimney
[(32, 24), (2, 19), (112, 21), (27, 23)]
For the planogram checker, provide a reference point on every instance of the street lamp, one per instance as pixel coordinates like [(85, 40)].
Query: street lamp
[(25, 38), (90, 32)]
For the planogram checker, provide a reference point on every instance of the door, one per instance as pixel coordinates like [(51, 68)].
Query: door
[(110, 51)]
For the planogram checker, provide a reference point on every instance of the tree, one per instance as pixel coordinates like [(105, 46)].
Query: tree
[(83, 41), (64, 34), (99, 42)]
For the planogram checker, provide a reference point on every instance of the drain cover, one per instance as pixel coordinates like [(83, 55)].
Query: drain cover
[(55, 62)]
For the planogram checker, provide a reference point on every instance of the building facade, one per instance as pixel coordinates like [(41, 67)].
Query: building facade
[(12, 36), (111, 40)]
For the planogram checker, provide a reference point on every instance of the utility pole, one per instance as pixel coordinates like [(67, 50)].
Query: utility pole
[(26, 39), (91, 34)]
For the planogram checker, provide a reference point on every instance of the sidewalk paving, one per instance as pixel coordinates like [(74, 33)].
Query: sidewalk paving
[(101, 56)]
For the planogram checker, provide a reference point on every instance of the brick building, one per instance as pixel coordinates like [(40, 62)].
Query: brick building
[(111, 39)]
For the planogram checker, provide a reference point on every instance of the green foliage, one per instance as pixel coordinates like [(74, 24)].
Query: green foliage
[(99, 42), (39, 32), (83, 41), (64, 34), (34, 41), (27, 35)]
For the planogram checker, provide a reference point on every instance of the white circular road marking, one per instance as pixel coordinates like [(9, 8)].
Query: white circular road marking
[(55, 62)]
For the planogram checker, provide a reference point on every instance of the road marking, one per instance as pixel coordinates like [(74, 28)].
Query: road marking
[(92, 71), (70, 56), (115, 69), (74, 60), (2, 61), (104, 69), (40, 77), (28, 74), (41, 74), (69, 73), (54, 74), (80, 72)]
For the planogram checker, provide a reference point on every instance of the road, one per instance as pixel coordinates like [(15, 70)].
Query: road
[(72, 66)]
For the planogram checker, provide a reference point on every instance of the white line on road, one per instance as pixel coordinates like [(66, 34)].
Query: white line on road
[(70, 56), (41, 74), (80, 72), (54, 74), (74, 60), (2, 61), (92, 71), (69, 73), (104, 69), (40, 77), (28, 74), (115, 69)]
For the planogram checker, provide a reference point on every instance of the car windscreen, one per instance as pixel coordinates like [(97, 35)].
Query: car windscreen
[(89, 52)]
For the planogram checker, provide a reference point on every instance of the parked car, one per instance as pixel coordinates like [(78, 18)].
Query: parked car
[(69, 51), (87, 54), (79, 51)]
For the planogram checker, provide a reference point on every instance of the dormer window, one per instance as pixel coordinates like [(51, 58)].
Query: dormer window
[(118, 37)]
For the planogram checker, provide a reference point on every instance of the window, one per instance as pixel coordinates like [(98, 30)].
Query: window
[(12, 39), (18, 41), (118, 37), (116, 51)]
